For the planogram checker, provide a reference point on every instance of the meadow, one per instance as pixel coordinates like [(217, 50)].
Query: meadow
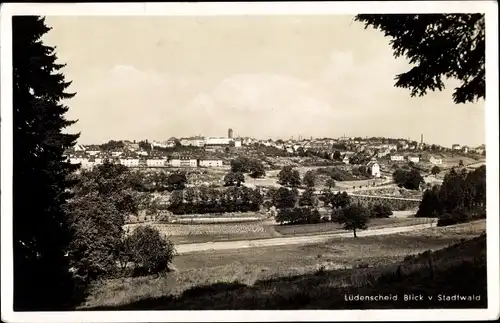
[(312, 276), (196, 232)]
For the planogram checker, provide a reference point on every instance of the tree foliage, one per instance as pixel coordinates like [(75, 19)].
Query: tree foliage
[(243, 164), (209, 200), (285, 198), (409, 179), (439, 46), (461, 193), (307, 198), (298, 215), (353, 217), (232, 179), (150, 252), (309, 179), (435, 170), (41, 234), (289, 177)]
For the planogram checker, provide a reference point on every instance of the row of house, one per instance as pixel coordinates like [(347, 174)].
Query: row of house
[(190, 162), (416, 159)]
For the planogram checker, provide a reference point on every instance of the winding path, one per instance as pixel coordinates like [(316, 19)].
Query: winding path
[(227, 245)]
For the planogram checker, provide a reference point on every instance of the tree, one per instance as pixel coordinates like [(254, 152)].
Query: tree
[(431, 204), (380, 210), (330, 183), (341, 200), (285, 198), (439, 45), (176, 181), (97, 232), (257, 169), (232, 179), (353, 217), (289, 176), (307, 198), (409, 179), (435, 170), (41, 234), (150, 251), (460, 163), (309, 179)]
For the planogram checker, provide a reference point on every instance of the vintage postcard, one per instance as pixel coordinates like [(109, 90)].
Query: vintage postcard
[(305, 161)]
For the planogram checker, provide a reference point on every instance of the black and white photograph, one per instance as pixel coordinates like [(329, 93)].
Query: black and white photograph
[(236, 161)]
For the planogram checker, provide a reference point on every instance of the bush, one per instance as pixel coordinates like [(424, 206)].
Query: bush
[(150, 252), (298, 215), (380, 210)]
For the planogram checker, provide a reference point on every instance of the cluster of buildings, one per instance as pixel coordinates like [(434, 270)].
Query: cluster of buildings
[(201, 141), (148, 162)]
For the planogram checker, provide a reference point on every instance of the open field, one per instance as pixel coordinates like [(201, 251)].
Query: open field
[(208, 232), (392, 192), (309, 276)]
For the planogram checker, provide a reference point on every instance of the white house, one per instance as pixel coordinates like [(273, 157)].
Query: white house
[(130, 162), (374, 169), (456, 147), (345, 160), (93, 152), (383, 153), (156, 162), (414, 159), (237, 143), (210, 163), (397, 158), (116, 153), (435, 160), (183, 162), (216, 141)]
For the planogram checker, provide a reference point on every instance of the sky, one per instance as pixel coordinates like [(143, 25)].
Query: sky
[(263, 76)]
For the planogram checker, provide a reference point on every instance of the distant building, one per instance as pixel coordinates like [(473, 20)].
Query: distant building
[(156, 162), (237, 143), (397, 158), (130, 162), (230, 133), (435, 160), (210, 163), (217, 141), (183, 162), (456, 147), (465, 149), (193, 141), (345, 160), (374, 169), (414, 159)]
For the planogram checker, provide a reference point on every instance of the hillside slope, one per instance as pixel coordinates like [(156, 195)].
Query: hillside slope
[(458, 269)]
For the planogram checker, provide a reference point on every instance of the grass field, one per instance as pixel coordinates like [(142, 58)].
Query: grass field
[(309, 276), (198, 233)]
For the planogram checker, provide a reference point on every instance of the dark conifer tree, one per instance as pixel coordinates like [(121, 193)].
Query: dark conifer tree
[(41, 234)]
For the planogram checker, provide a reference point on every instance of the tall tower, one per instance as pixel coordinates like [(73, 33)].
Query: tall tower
[(230, 133), (421, 138)]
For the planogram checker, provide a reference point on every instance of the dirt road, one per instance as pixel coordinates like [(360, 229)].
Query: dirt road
[(207, 246)]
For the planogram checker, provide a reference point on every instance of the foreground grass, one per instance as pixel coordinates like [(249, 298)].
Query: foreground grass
[(312, 276)]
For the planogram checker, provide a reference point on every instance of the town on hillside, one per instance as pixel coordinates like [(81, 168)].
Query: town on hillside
[(200, 151)]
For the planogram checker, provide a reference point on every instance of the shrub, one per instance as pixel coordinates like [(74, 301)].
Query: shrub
[(150, 252), (298, 215), (380, 210)]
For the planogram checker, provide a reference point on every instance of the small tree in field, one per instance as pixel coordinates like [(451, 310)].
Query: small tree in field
[(149, 250), (309, 179), (435, 170), (330, 183), (353, 217)]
